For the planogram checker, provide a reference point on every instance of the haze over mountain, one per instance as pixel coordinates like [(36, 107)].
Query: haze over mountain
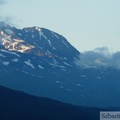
[(43, 63), (99, 57)]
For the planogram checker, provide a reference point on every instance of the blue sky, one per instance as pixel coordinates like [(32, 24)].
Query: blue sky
[(87, 24)]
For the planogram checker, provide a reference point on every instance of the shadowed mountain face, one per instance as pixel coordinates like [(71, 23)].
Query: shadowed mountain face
[(43, 63), (16, 105)]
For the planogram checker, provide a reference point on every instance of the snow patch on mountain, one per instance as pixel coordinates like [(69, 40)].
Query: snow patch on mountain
[(68, 90), (49, 42), (57, 81), (29, 64), (67, 64), (41, 34), (55, 61), (15, 60), (38, 28), (79, 85), (55, 65), (14, 53), (8, 31), (83, 76), (99, 77), (61, 87), (6, 63), (19, 34), (64, 70), (65, 43), (41, 67), (37, 46), (2, 55), (33, 36), (55, 35)]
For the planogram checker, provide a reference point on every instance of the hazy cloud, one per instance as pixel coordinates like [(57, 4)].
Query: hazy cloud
[(99, 57), (8, 20), (104, 51), (12, 21), (115, 60)]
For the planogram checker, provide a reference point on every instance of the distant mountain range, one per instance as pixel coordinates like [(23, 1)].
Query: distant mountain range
[(43, 63)]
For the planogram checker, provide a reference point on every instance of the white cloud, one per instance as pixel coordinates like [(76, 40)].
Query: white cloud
[(99, 57)]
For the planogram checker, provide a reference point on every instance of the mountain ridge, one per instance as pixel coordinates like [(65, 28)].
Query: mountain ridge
[(19, 105), (28, 39)]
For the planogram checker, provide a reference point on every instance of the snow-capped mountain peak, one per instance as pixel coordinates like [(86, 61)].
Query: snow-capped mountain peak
[(39, 41)]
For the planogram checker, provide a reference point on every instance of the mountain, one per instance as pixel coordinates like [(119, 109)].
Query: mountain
[(15, 105), (43, 63), (36, 40)]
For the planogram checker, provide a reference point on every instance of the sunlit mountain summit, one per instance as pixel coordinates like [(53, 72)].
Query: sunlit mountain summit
[(39, 41)]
